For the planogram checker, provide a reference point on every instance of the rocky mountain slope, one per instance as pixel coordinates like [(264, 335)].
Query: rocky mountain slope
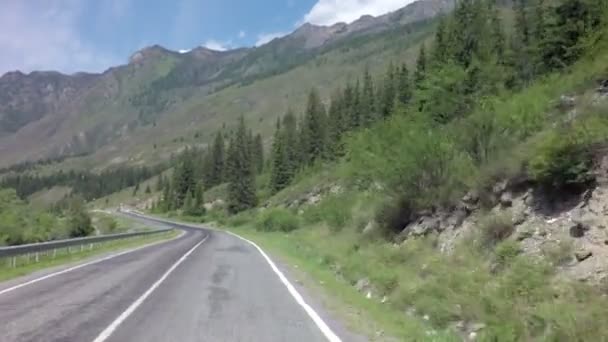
[(161, 94)]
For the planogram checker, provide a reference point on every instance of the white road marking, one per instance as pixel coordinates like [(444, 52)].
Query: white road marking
[(118, 321), (13, 288), (323, 327)]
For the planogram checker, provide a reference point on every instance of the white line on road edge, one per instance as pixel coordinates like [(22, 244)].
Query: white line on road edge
[(80, 266), (325, 329), (112, 327)]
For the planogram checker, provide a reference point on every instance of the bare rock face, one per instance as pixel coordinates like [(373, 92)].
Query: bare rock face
[(583, 255)]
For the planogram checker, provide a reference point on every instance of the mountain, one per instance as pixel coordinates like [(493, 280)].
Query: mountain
[(143, 111)]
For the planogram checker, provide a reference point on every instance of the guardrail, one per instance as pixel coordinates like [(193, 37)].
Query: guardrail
[(35, 249)]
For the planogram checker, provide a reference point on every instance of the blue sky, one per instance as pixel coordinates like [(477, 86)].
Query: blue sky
[(92, 35)]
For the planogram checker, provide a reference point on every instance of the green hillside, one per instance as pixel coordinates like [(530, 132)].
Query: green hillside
[(360, 198)]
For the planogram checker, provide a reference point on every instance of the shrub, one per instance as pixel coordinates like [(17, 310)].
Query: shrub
[(560, 161), (411, 158), (216, 215), (195, 210), (107, 225), (563, 157), (334, 210), (79, 224), (278, 219), (506, 252), (394, 215), (240, 219), (495, 228), (560, 253)]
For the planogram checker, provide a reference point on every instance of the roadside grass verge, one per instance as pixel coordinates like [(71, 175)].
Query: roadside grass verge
[(412, 292), (27, 264), (313, 252), (418, 294)]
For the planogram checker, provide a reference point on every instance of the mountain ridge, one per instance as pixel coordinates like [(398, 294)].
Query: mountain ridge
[(80, 113)]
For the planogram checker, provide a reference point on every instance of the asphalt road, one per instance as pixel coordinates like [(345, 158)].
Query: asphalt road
[(202, 286)]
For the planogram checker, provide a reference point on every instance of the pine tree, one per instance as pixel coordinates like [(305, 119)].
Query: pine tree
[(217, 160), (167, 198), (199, 199), (314, 128), (355, 110), (421, 67), (388, 94), (302, 145), (348, 103), (441, 44), (160, 182), (258, 153), (136, 189), (188, 203), (292, 147), (279, 177), (148, 190), (335, 125), (574, 21), (521, 46), (241, 186), (404, 86), (367, 105), (183, 180), (498, 37)]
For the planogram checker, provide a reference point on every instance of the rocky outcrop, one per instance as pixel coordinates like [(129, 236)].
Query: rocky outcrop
[(577, 225)]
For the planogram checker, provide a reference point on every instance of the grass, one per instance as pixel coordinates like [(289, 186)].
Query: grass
[(46, 198), (277, 219), (303, 250), (520, 301), (27, 264)]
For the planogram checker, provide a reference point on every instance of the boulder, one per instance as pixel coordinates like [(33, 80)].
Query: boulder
[(506, 199), (520, 215), (455, 219), (336, 189), (603, 88), (471, 198), (582, 222), (523, 234), (583, 254), (499, 188), (424, 226), (578, 230), (363, 285), (370, 227), (566, 101), (314, 199)]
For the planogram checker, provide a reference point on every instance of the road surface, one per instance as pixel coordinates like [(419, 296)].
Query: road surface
[(202, 286)]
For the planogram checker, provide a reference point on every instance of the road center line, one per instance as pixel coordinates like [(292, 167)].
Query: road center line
[(33, 281), (104, 335)]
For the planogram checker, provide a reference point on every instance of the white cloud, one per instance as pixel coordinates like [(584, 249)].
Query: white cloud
[(184, 50), (329, 12), (216, 45), (44, 36), (264, 38), (242, 34)]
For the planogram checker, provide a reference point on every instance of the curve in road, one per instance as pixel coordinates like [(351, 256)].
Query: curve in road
[(203, 286)]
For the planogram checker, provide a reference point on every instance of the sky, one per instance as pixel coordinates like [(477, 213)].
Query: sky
[(92, 35)]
